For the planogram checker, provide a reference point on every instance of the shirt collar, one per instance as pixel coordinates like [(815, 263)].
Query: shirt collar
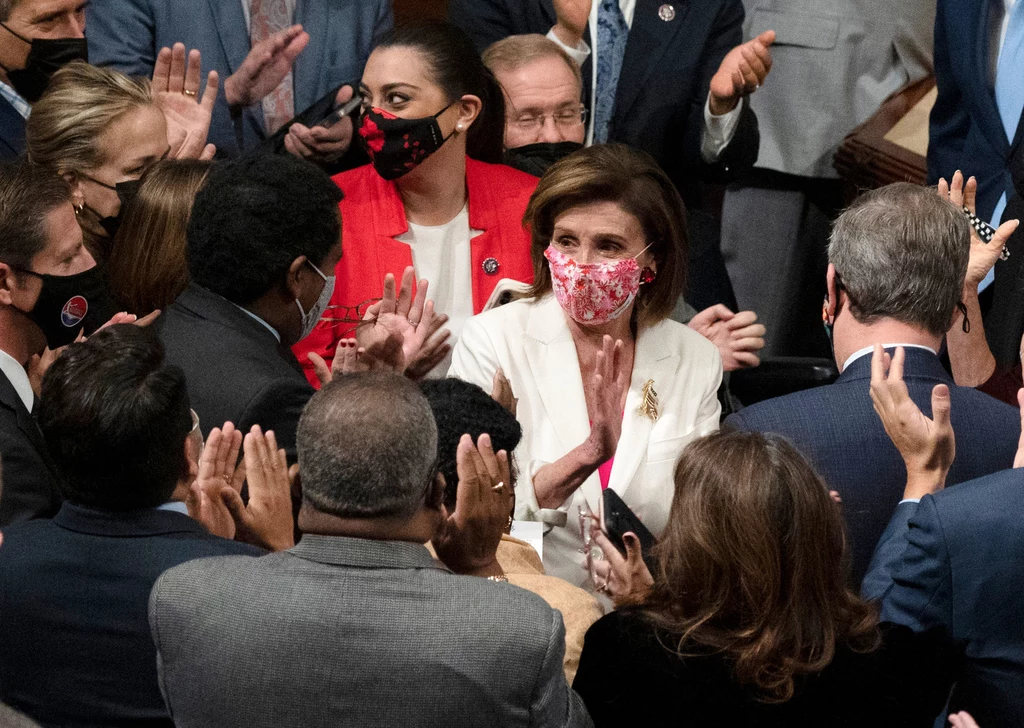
[(254, 317), (174, 506), (869, 349), (23, 107), (18, 378)]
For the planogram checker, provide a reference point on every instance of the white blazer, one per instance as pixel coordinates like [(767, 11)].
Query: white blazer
[(532, 344)]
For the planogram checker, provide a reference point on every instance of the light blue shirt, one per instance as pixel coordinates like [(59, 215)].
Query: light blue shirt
[(20, 105), (254, 317), (174, 506)]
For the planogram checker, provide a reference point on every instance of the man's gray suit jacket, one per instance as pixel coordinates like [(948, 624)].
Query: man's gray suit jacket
[(354, 632)]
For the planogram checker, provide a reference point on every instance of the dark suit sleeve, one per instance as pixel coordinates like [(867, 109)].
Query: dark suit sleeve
[(735, 423), (888, 553), (278, 407), (920, 595), (554, 703), (485, 21), (949, 120), (121, 35), (26, 490)]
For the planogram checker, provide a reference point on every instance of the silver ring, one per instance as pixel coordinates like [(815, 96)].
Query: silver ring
[(498, 487)]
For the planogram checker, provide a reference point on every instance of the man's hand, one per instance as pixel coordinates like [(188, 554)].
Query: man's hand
[(572, 17), (983, 255), (322, 144), (927, 445), (738, 336), (468, 540), (742, 72), (267, 519), (219, 470), (265, 67), (176, 92)]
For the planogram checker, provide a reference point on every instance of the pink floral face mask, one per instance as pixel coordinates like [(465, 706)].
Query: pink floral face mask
[(593, 293)]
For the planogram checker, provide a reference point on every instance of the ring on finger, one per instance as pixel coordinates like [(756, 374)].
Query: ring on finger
[(498, 487), (193, 94)]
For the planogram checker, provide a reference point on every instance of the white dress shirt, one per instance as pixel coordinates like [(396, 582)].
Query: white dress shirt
[(870, 349), (18, 378), (718, 130)]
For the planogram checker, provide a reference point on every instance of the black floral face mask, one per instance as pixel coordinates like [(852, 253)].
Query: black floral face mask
[(396, 146)]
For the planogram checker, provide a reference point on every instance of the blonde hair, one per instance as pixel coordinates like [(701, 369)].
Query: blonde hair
[(80, 103), (514, 52), (148, 265)]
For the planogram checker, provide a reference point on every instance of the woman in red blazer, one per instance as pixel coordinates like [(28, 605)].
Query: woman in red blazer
[(428, 102)]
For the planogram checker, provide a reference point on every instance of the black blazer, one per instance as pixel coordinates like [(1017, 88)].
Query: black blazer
[(75, 645), (12, 131), (628, 678), (30, 485), (236, 370), (666, 74)]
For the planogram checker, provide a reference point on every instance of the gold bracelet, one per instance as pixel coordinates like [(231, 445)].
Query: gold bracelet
[(498, 577)]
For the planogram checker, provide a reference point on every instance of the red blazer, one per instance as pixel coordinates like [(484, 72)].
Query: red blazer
[(372, 217)]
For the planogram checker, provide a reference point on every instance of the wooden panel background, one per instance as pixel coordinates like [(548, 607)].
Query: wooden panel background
[(417, 9)]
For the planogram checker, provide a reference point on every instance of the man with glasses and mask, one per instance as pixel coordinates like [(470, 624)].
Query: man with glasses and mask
[(36, 38)]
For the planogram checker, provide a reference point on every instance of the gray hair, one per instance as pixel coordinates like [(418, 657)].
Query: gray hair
[(367, 447), (901, 252)]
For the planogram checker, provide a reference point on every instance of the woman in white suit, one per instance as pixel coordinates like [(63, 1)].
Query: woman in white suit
[(609, 389)]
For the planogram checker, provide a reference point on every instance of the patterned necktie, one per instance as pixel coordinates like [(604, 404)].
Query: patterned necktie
[(267, 17), (612, 34)]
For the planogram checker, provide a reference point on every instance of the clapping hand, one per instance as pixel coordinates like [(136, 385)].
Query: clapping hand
[(322, 144), (927, 445), (501, 392), (219, 470), (468, 540), (176, 92), (983, 255), (609, 384), (265, 67), (266, 520), (626, 579), (738, 336), (962, 719), (742, 72), (572, 17)]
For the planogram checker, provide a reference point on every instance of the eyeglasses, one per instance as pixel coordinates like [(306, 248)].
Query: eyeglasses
[(566, 118), (350, 314)]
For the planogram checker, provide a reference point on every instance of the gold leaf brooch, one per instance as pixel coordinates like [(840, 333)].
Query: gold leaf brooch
[(649, 402)]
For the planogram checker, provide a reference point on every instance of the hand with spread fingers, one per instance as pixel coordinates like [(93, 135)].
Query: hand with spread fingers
[(266, 520), (626, 579), (176, 92), (738, 336), (468, 540), (219, 470), (927, 445), (742, 72)]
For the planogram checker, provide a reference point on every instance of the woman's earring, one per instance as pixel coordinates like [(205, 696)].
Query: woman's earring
[(647, 275), (79, 208), (458, 127)]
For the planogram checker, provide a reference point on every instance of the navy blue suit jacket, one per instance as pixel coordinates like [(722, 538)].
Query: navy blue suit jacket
[(965, 130), (128, 34), (955, 563), (12, 131), (75, 644), (837, 429)]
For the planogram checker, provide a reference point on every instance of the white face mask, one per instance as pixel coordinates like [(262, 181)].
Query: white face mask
[(312, 317)]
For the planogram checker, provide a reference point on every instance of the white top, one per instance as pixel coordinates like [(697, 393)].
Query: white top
[(718, 130), (18, 378), (532, 344), (441, 255), (870, 349), (246, 4)]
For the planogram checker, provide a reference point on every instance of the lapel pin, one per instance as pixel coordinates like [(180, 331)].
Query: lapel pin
[(491, 266), (667, 13), (649, 402)]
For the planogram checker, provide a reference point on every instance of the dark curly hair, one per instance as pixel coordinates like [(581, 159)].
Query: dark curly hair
[(254, 217), (461, 408)]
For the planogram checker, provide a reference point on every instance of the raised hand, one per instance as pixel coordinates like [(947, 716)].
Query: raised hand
[(963, 719), (322, 144), (501, 392), (927, 445), (267, 519), (176, 92), (219, 471), (625, 579), (265, 67), (742, 72), (983, 255), (609, 384), (738, 336), (572, 17), (468, 539)]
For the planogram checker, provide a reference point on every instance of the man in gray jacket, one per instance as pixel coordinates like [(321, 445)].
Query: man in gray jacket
[(358, 625)]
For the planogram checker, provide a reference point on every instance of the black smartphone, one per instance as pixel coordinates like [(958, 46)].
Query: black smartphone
[(324, 112), (340, 113), (619, 520)]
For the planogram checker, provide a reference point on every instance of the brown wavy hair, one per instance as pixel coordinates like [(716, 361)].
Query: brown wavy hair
[(634, 181), (752, 565)]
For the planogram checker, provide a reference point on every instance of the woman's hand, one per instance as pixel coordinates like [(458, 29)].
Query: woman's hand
[(609, 384), (176, 92), (625, 579), (738, 336), (983, 255), (962, 719), (501, 392), (217, 472), (468, 540), (927, 445)]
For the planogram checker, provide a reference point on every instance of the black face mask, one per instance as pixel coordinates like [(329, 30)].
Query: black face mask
[(397, 146), (69, 304), (45, 58), (126, 192), (535, 159)]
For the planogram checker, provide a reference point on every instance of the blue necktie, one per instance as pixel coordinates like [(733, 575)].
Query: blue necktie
[(612, 34), (1009, 95)]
